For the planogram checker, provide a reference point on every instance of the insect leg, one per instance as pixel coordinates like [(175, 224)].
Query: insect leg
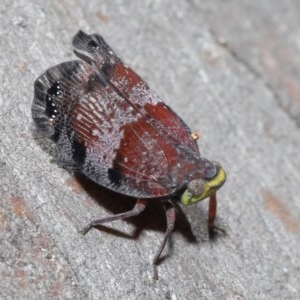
[(138, 208), (212, 212), (170, 214)]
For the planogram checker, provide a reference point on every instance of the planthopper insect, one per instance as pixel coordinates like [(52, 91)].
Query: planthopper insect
[(108, 123)]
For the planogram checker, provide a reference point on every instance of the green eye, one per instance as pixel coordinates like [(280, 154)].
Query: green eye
[(199, 189)]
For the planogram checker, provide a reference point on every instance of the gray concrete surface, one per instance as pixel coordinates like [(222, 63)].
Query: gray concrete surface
[(231, 70)]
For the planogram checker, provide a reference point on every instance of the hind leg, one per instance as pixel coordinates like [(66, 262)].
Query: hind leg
[(140, 205)]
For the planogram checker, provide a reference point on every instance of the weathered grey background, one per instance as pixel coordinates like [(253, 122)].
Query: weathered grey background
[(231, 69)]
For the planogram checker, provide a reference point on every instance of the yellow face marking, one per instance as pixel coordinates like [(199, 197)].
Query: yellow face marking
[(210, 187)]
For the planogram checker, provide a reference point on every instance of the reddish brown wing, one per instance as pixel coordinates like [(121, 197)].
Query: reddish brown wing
[(113, 126), (169, 154)]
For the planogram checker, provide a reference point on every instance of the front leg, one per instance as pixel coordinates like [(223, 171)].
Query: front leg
[(212, 212)]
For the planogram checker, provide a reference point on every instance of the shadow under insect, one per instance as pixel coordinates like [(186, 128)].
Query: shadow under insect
[(153, 217)]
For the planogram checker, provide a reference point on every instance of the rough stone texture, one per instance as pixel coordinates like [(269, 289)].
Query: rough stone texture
[(231, 70)]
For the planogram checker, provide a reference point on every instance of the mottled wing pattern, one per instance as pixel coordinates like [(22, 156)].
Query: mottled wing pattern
[(112, 125), (50, 106)]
